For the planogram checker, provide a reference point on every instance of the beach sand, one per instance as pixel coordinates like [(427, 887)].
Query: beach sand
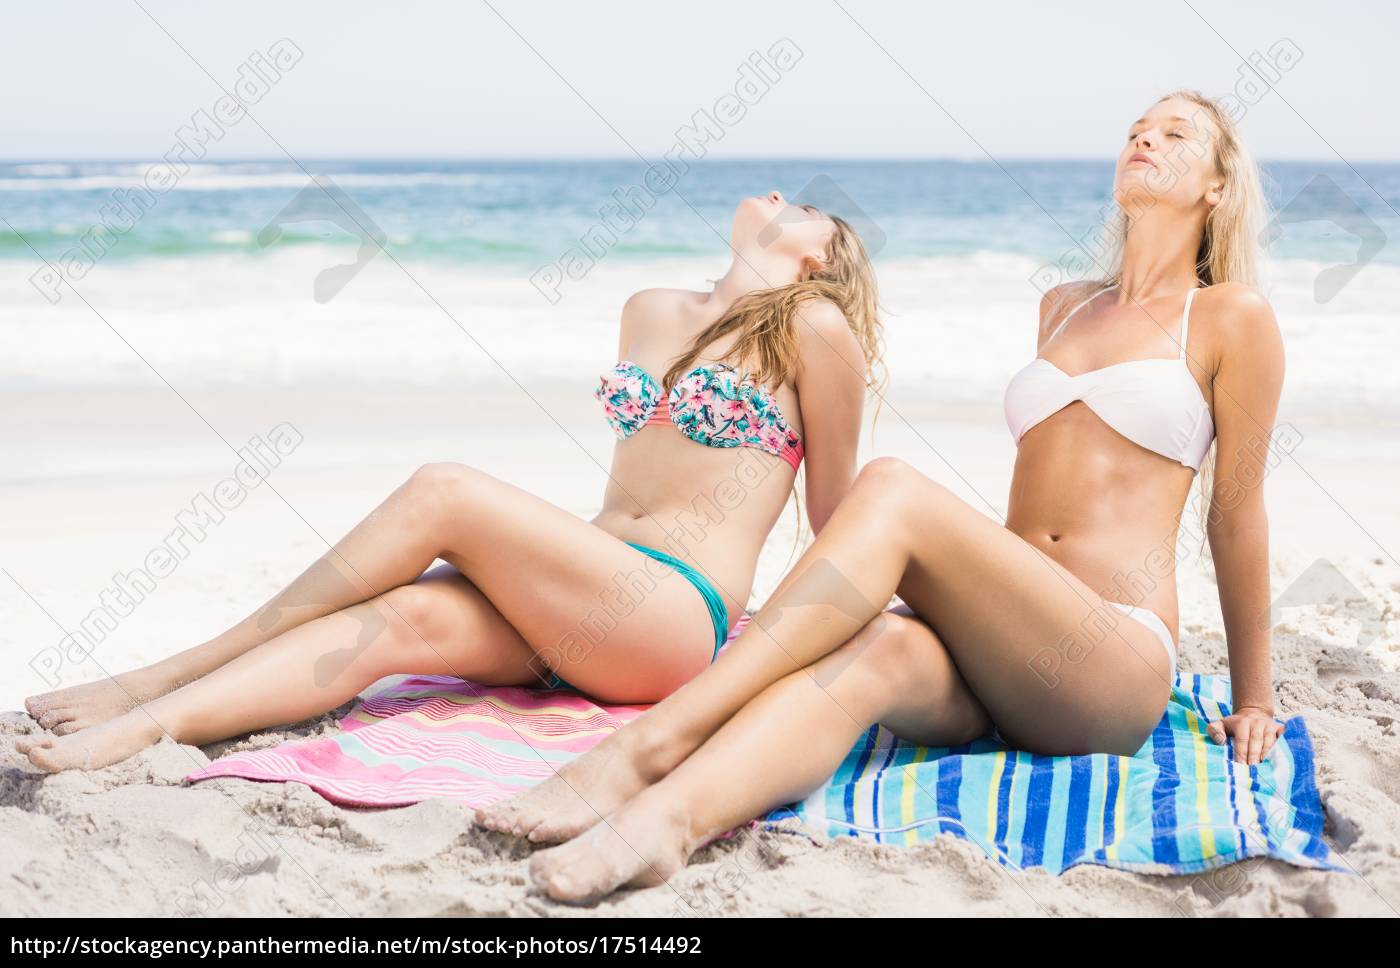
[(132, 840)]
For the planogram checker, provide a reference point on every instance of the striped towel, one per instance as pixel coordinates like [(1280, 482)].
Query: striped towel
[(1179, 805), (437, 736)]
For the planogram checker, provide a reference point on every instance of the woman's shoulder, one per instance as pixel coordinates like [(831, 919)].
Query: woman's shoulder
[(658, 297), (1238, 322), (1235, 311), (826, 340), (820, 317), (1235, 298), (649, 304), (1057, 301), (1071, 290)]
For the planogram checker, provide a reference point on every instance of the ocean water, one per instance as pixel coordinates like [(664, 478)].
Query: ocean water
[(525, 213), (243, 273)]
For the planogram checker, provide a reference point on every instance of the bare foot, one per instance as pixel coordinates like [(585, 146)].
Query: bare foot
[(68, 710), (641, 845), (102, 745), (579, 795)]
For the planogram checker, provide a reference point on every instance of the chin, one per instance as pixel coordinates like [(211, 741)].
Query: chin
[(1132, 185), (1132, 177), (753, 209)]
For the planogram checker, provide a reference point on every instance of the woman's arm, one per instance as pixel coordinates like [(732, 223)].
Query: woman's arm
[(831, 392), (1246, 388)]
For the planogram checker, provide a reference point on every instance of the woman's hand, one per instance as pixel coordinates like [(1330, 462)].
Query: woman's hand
[(1254, 731)]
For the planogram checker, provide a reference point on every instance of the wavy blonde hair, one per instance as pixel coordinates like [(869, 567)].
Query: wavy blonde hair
[(766, 321), (1229, 245)]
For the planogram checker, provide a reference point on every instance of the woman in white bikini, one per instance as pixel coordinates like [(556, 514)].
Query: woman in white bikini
[(1057, 628)]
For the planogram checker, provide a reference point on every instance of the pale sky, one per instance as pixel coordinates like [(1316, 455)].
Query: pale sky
[(421, 79)]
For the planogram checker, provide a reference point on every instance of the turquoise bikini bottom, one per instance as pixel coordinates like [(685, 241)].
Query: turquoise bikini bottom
[(719, 615)]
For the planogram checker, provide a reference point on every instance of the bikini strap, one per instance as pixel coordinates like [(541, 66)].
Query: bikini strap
[(1186, 321), (1092, 296)]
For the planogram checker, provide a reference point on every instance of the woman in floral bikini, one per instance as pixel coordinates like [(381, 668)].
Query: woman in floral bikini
[(771, 365)]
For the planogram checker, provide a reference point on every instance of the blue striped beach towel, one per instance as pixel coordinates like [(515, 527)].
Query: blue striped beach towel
[(1180, 805)]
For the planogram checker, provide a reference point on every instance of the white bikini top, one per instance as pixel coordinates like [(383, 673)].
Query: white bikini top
[(1155, 403)]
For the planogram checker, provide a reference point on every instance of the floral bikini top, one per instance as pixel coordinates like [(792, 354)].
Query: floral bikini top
[(710, 405)]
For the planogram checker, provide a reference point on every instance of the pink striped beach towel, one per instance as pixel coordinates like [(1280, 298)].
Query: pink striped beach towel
[(438, 736)]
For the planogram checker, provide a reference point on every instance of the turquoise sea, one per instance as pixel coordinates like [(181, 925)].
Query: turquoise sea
[(527, 213)]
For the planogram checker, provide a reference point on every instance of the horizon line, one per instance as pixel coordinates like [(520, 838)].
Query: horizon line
[(621, 159)]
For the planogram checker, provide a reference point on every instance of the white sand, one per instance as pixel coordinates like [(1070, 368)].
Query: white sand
[(96, 477)]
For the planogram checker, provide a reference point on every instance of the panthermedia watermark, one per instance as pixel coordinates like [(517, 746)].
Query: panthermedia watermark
[(130, 588), (257, 75), (322, 200), (1322, 585), (1323, 200)]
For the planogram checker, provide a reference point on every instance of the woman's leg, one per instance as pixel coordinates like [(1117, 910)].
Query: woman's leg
[(608, 618), (387, 549), (1057, 669), (895, 671), (497, 535), (440, 625)]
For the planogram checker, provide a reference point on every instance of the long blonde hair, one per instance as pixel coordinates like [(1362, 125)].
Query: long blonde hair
[(766, 322), (1229, 244)]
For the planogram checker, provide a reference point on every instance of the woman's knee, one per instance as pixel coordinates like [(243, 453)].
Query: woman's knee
[(412, 616), (896, 482), (438, 490), (895, 644), (875, 663), (907, 678), (443, 480)]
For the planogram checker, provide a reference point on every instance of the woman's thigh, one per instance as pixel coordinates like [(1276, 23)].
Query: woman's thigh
[(445, 626), (1059, 669), (606, 617)]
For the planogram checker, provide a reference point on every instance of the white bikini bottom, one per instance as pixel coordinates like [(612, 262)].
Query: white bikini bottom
[(1149, 618)]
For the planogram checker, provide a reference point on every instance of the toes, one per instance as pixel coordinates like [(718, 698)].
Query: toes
[(551, 833), (41, 753), (586, 869), (46, 702), (45, 759), (71, 726), (562, 824), (496, 817), (26, 743), (493, 818), (552, 876), (52, 717), (511, 822)]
